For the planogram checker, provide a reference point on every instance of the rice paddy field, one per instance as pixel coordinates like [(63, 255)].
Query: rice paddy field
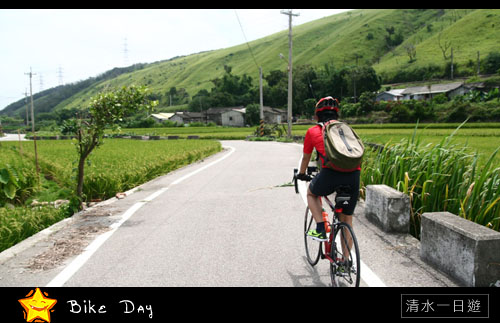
[(117, 166)]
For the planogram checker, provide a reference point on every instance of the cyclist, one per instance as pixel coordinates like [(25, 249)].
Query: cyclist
[(328, 180)]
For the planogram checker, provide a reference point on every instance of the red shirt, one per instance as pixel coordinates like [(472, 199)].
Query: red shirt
[(314, 139)]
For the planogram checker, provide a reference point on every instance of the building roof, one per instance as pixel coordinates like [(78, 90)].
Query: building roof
[(162, 115), (273, 110), (434, 88), (188, 114), (395, 92), (221, 110)]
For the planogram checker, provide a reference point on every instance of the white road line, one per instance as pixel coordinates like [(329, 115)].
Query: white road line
[(368, 276), (81, 259)]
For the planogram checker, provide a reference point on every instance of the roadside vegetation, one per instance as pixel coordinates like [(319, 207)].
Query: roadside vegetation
[(27, 201), (438, 176)]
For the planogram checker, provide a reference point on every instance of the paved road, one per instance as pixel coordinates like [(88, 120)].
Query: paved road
[(226, 221), (12, 137)]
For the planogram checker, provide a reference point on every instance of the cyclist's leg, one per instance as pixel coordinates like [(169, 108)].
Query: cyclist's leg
[(351, 180), (346, 219), (321, 185), (314, 203)]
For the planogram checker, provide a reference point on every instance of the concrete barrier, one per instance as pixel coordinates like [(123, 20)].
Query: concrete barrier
[(467, 251), (388, 208)]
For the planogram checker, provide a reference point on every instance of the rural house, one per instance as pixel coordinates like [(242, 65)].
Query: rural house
[(234, 117), (392, 95), (274, 115), (425, 92), (188, 117), (231, 116), (430, 91), (228, 116), (160, 117)]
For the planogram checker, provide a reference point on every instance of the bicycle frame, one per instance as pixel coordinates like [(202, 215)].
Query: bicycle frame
[(329, 242)]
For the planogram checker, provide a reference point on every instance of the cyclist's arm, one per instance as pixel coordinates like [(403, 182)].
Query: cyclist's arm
[(304, 163)]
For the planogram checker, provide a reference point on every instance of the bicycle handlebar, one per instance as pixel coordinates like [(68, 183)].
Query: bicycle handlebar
[(307, 177)]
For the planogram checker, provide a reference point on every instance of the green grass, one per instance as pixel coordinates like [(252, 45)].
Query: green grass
[(473, 31)]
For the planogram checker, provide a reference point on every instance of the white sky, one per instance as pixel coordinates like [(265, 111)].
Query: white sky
[(83, 43)]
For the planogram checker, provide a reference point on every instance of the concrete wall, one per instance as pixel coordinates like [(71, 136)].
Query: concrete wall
[(464, 250), (388, 208), (233, 119)]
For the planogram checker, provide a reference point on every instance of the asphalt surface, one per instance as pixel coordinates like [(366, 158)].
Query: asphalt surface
[(230, 220)]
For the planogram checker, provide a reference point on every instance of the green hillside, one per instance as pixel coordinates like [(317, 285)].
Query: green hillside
[(374, 37)]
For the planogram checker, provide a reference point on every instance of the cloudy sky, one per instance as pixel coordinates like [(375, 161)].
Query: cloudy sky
[(71, 45)]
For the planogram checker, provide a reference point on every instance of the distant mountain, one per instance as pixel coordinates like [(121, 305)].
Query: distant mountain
[(400, 44)]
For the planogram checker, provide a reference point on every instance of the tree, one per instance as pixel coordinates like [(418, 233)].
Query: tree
[(105, 109), (411, 50), (252, 114), (492, 63), (228, 90), (362, 79), (444, 47)]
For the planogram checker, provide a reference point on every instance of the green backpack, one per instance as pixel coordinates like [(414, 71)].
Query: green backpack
[(343, 147)]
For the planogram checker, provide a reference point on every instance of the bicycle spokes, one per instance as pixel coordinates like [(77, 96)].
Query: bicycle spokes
[(344, 267)]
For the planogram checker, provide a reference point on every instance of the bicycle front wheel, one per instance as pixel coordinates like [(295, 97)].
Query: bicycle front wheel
[(313, 247), (345, 267)]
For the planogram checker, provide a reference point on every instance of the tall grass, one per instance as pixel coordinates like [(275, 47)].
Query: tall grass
[(17, 224), (438, 177), (18, 178)]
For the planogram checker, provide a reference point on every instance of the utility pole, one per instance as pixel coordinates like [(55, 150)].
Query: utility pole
[(289, 14), (478, 63), (27, 108), (451, 63), (261, 103), (33, 120)]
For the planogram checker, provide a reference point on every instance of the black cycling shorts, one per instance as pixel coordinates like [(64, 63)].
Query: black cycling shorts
[(329, 180)]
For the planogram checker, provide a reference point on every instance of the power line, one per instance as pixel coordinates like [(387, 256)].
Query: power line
[(250, 48)]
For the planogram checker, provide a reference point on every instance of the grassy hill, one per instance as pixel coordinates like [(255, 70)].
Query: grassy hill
[(363, 37)]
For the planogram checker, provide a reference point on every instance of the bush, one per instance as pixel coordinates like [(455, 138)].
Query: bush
[(400, 113), (491, 64), (459, 113)]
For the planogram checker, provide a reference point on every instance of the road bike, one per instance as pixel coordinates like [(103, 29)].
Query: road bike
[(341, 248)]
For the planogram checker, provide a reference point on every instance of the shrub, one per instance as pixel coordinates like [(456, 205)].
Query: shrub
[(400, 113)]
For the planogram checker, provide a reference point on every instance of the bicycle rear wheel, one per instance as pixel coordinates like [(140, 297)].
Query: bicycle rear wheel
[(313, 247), (345, 269)]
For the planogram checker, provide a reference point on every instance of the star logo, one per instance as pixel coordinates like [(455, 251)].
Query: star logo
[(37, 308)]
